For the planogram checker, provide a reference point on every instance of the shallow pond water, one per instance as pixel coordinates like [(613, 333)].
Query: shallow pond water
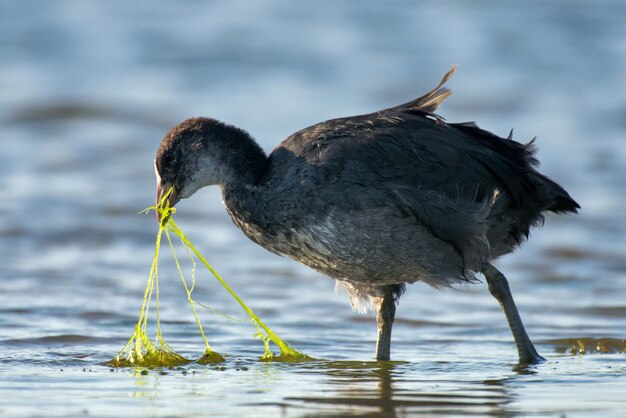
[(87, 90)]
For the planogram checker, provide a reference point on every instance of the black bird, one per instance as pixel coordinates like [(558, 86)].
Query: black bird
[(376, 201)]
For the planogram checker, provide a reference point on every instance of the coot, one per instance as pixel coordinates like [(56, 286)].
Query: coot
[(376, 201)]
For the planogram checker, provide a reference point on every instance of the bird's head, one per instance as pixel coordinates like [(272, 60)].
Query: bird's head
[(202, 152)]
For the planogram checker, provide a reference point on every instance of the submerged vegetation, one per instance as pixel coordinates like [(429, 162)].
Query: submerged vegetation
[(141, 351), (582, 346)]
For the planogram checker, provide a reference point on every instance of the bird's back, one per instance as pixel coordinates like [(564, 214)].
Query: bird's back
[(383, 176)]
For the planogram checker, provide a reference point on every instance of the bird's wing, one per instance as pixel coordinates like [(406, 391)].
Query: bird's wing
[(443, 175)]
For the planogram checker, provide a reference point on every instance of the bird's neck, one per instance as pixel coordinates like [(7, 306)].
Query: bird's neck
[(244, 203), (245, 165), (244, 170)]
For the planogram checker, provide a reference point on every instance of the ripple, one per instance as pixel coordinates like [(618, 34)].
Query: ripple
[(67, 111), (57, 340)]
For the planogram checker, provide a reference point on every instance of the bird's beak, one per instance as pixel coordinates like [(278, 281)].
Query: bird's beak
[(166, 194), (162, 196)]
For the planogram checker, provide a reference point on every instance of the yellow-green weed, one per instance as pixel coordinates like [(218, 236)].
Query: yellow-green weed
[(141, 351)]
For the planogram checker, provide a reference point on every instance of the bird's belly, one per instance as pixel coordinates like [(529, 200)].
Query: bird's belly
[(376, 247)]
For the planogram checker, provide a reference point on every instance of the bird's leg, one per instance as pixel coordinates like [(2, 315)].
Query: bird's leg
[(384, 319), (499, 288)]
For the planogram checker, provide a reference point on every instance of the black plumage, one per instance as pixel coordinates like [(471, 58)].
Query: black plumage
[(374, 201)]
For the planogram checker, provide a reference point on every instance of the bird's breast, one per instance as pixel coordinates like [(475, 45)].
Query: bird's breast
[(309, 244)]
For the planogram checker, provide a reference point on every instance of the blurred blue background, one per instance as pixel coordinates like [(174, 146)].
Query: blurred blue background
[(88, 89)]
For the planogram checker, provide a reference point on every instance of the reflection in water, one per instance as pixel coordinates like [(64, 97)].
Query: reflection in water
[(380, 390), (146, 388), (143, 387)]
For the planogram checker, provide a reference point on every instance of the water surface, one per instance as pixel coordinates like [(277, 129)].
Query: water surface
[(89, 89)]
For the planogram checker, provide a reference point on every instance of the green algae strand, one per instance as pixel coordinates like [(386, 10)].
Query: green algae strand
[(141, 351)]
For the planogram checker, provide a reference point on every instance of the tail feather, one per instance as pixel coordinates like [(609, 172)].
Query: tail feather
[(430, 101), (561, 202)]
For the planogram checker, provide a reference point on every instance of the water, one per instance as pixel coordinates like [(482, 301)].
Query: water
[(87, 90)]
